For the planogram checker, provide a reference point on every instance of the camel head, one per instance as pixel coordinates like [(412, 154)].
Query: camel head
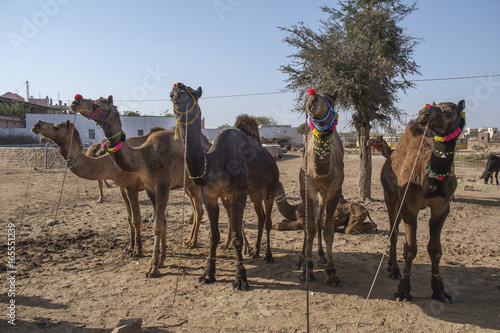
[(322, 116), (97, 110), (184, 98), (376, 142), (444, 118), (60, 133)]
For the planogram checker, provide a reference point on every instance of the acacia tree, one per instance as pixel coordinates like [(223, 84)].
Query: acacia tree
[(362, 52), (15, 109)]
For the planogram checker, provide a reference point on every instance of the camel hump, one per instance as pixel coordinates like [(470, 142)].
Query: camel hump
[(156, 129), (249, 125)]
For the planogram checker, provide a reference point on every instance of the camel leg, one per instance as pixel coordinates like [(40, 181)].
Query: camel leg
[(319, 224), (133, 200), (331, 274), (129, 220), (194, 195), (259, 210), (225, 203), (101, 193), (434, 250), (268, 203), (151, 196), (160, 231), (392, 210), (213, 215), (107, 184), (237, 209), (410, 251), (310, 234), (496, 177)]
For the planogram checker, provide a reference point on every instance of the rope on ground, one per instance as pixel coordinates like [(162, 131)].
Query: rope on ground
[(392, 228), (49, 237)]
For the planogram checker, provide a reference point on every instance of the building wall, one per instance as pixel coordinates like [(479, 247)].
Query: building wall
[(33, 157)]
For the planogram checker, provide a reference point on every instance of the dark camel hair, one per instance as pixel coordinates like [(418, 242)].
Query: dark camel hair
[(350, 215), (99, 168), (97, 150), (159, 164), (381, 145), (236, 166), (492, 167), (323, 168), (432, 185)]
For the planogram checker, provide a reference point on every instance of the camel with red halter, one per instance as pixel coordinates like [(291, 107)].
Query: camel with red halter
[(419, 174)]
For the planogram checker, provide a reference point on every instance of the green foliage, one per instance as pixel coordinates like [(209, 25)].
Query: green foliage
[(131, 113), (301, 129), (263, 120), (15, 109), (282, 140), (224, 126), (360, 51)]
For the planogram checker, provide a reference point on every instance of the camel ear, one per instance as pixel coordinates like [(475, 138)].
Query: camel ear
[(335, 94), (198, 91), (433, 104), (67, 123), (110, 100), (461, 106)]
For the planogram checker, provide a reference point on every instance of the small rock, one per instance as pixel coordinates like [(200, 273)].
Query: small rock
[(132, 325), (51, 223), (468, 188)]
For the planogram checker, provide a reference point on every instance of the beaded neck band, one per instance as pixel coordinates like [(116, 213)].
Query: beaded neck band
[(438, 176), (204, 168)]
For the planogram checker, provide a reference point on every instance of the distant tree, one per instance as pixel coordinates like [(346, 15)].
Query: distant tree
[(166, 114), (362, 52), (15, 109), (131, 113), (224, 126), (301, 129), (282, 140), (263, 120)]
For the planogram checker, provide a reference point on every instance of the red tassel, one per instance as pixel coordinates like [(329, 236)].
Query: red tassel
[(78, 96), (311, 91)]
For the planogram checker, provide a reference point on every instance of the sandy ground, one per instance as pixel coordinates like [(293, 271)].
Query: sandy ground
[(86, 283)]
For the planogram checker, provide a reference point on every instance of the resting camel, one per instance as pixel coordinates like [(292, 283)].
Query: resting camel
[(351, 215), (378, 143), (432, 184), (65, 135), (323, 166), (236, 166), (97, 150), (158, 163)]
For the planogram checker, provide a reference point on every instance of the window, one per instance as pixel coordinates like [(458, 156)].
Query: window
[(140, 132), (92, 134)]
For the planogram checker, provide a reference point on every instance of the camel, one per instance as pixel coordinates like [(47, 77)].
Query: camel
[(321, 177), (350, 215), (158, 163), (65, 135), (236, 166), (97, 150), (432, 184), (378, 143)]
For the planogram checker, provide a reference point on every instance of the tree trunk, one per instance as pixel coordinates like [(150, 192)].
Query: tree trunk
[(365, 160)]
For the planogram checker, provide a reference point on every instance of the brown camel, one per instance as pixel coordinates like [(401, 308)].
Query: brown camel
[(65, 135), (350, 215), (97, 150), (432, 184), (321, 177), (158, 162), (236, 166), (378, 143)]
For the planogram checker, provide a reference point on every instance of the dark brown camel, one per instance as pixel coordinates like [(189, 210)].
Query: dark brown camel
[(432, 184), (323, 170), (350, 215), (158, 162), (378, 143), (236, 166), (65, 135)]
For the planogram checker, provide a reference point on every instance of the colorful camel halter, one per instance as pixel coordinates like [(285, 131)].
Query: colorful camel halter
[(451, 135), (177, 112), (322, 147), (95, 109)]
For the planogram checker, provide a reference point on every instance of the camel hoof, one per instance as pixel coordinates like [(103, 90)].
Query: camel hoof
[(322, 259), (334, 282), (204, 280), (310, 277), (152, 273), (136, 255), (241, 285), (443, 297), (190, 245), (402, 297), (395, 276)]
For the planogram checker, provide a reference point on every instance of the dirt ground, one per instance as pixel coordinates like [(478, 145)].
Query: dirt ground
[(86, 283)]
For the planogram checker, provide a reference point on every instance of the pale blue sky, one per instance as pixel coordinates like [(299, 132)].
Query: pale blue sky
[(136, 50)]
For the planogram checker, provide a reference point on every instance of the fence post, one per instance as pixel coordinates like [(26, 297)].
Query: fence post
[(46, 153)]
